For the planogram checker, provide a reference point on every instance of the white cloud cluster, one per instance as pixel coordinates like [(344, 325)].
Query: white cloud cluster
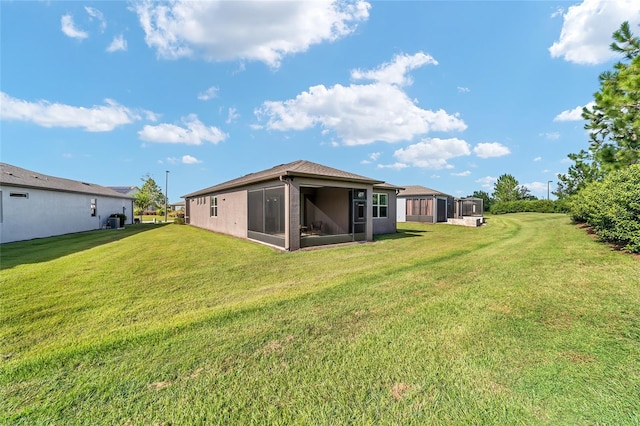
[(263, 31), (395, 72), (490, 149), (361, 114), (586, 32), (433, 153), (117, 44), (96, 14), (98, 118), (487, 182), (573, 114), (69, 28), (210, 93), (194, 132), (185, 159)]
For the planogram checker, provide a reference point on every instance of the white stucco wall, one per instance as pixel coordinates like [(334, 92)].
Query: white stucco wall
[(47, 213)]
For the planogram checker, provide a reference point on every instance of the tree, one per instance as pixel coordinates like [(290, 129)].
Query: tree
[(149, 196), (583, 171), (614, 120), (507, 188)]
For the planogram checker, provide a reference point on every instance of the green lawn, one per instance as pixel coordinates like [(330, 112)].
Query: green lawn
[(527, 320)]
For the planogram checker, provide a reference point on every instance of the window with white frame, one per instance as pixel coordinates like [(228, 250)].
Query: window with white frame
[(380, 205), (214, 205)]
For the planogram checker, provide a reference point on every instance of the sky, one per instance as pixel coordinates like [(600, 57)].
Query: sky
[(444, 94)]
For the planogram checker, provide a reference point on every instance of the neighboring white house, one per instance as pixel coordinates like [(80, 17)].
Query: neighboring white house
[(34, 205)]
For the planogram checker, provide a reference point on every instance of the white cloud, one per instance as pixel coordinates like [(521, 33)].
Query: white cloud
[(465, 173), (97, 14), (232, 115), (186, 159), (491, 149), (263, 31), (586, 32), (98, 118), (396, 166), (361, 114), (573, 114), (558, 12), (69, 28), (537, 159), (395, 72), (487, 182), (210, 93), (463, 89), (373, 157), (550, 135), (117, 44), (194, 132), (433, 153)]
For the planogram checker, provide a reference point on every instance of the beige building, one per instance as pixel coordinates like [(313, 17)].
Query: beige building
[(296, 205)]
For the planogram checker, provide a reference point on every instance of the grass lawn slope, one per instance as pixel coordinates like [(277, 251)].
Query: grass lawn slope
[(527, 320)]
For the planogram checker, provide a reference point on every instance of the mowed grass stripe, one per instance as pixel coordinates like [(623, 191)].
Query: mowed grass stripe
[(496, 333)]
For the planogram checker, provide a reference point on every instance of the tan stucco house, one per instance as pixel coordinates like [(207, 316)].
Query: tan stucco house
[(296, 205)]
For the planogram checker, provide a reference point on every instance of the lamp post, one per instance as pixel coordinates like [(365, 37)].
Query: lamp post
[(548, 182), (166, 191)]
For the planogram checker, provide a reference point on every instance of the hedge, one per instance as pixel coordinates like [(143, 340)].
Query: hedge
[(612, 207)]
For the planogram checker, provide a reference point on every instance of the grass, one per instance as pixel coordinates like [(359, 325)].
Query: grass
[(525, 321)]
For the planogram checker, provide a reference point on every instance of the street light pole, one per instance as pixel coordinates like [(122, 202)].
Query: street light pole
[(166, 191), (548, 182)]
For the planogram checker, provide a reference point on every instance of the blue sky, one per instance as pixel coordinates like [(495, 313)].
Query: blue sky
[(448, 95)]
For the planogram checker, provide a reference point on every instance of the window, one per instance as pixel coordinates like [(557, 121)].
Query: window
[(94, 206), (214, 206), (380, 205)]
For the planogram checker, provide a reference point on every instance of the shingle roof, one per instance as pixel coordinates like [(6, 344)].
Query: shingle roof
[(385, 185), (123, 189), (15, 176), (417, 190), (300, 168)]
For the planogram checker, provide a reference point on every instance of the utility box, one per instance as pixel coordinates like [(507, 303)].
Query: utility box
[(113, 222)]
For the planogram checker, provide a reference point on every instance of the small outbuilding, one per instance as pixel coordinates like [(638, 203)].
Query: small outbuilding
[(417, 203), (35, 205), (296, 205)]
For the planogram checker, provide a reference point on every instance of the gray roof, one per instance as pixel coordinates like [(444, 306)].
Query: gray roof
[(385, 185), (300, 168), (124, 189), (16, 176), (417, 190)]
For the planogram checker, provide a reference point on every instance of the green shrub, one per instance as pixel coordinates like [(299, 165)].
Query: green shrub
[(520, 206), (122, 217), (612, 207)]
